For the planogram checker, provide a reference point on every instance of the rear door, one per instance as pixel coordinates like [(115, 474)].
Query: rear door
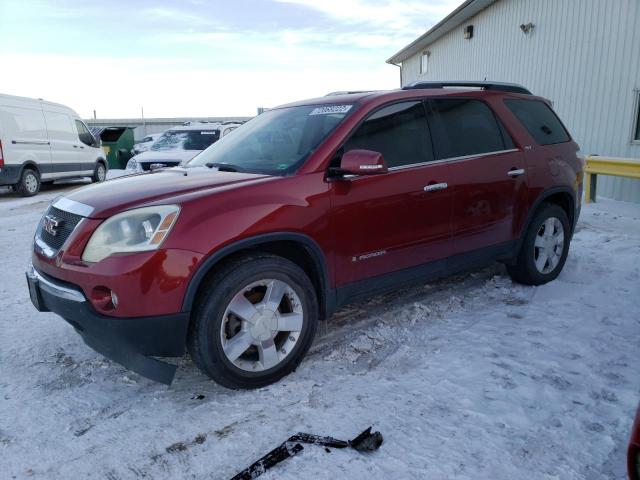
[(389, 222), (24, 134), (552, 160), (487, 171)]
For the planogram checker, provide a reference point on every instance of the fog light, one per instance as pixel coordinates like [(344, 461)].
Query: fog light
[(104, 298)]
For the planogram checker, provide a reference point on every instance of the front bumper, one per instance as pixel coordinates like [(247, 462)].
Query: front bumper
[(128, 341)]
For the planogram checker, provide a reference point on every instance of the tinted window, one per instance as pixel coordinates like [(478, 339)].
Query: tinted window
[(637, 132), (462, 127), (400, 132), (539, 120)]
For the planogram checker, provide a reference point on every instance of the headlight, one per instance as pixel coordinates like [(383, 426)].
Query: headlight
[(138, 230), (132, 165)]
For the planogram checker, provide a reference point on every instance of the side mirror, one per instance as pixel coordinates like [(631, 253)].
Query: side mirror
[(362, 162), (87, 139)]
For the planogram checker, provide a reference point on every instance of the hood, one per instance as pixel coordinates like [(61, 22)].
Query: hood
[(167, 155), (123, 193)]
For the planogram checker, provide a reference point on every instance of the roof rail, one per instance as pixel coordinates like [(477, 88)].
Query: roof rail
[(347, 92), (495, 86)]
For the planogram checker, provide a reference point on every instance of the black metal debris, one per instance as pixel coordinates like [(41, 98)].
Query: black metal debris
[(365, 442)]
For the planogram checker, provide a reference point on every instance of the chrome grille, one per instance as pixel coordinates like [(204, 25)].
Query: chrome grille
[(67, 223)]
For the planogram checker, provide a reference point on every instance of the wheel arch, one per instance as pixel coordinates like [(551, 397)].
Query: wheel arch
[(297, 247), (32, 165), (564, 197)]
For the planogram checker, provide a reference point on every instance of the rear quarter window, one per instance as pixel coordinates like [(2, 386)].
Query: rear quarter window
[(539, 120)]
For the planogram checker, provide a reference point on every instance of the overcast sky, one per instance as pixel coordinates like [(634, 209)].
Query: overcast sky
[(202, 58)]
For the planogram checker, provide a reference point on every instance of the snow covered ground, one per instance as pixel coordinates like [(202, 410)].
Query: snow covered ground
[(471, 377)]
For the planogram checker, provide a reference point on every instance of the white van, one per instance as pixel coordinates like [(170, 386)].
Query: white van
[(41, 142)]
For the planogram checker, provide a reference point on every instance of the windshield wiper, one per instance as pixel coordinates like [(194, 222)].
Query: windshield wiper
[(223, 167)]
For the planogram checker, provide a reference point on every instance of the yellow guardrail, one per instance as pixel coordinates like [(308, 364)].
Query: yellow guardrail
[(597, 165)]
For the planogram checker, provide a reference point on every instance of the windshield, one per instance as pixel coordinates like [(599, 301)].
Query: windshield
[(276, 142), (185, 140)]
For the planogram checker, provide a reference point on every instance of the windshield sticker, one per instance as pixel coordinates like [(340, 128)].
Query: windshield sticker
[(329, 109), (209, 132)]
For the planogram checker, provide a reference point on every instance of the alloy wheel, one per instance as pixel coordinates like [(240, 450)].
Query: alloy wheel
[(548, 245), (261, 325), (31, 182)]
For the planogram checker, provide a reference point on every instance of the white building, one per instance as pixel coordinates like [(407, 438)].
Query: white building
[(583, 55)]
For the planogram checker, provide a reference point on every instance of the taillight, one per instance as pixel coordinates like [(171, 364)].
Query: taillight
[(1, 156)]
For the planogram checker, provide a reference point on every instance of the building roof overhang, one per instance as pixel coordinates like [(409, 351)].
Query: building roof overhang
[(460, 15)]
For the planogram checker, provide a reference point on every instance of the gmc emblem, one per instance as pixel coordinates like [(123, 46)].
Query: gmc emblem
[(50, 225)]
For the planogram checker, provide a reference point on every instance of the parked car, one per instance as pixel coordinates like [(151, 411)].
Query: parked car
[(145, 143), (633, 453), (179, 145), (238, 254), (43, 141)]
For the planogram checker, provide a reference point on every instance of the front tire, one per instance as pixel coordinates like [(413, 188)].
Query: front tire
[(545, 247), (100, 173), (254, 321), (29, 184)]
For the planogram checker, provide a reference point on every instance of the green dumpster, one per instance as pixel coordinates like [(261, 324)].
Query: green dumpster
[(117, 143)]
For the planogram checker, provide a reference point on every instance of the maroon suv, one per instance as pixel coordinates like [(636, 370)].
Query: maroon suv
[(236, 255)]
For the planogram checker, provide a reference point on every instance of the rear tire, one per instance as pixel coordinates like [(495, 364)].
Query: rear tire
[(545, 247), (275, 326), (29, 184), (100, 173)]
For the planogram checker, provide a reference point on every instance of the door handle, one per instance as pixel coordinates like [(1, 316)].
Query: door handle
[(75, 146), (30, 142), (515, 172), (435, 186)]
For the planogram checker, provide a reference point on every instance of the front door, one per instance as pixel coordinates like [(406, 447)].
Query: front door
[(386, 223), (86, 144)]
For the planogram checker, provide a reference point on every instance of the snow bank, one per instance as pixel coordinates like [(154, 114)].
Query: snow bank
[(471, 377)]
